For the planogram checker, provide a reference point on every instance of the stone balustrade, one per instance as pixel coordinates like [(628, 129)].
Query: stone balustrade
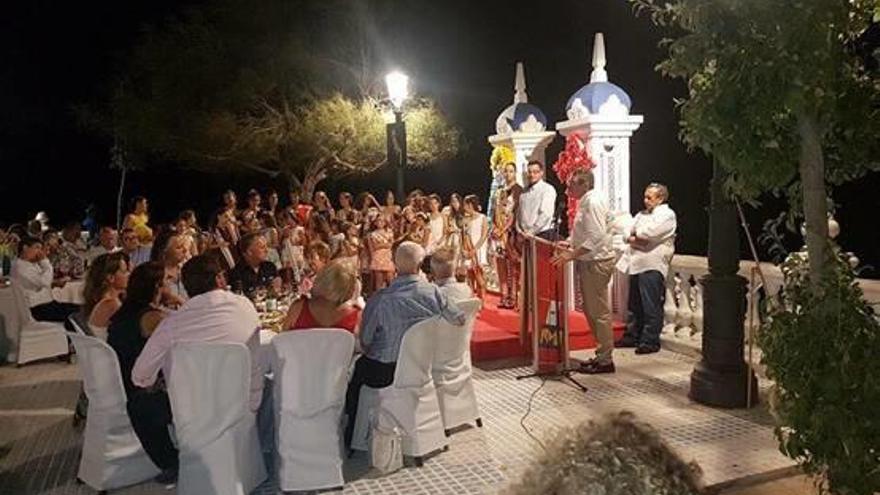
[(683, 310)]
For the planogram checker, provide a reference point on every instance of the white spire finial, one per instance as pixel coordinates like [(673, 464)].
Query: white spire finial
[(599, 74), (520, 85)]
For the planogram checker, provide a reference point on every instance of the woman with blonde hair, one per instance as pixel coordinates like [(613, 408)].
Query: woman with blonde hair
[(330, 304)]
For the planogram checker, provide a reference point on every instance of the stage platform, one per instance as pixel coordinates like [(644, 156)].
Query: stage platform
[(496, 333)]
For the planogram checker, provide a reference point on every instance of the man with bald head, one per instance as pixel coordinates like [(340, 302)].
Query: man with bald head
[(389, 313)]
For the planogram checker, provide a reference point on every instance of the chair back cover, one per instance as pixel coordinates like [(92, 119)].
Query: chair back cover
[(99, 366), (416, 354), (79, 324), (453, 342), (24, 311), (311, 369), (209, 389), (311, 375), (112, 456)]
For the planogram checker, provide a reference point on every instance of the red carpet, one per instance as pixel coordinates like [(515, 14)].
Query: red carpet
[(496, 333)]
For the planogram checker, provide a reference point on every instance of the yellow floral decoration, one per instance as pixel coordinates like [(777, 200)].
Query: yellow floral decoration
[(501, 155)]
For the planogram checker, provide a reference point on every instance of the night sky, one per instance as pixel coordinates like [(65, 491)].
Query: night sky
[(54, 55)]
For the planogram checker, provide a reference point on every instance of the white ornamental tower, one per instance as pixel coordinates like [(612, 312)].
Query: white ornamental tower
[(522, 127), (599, 113)]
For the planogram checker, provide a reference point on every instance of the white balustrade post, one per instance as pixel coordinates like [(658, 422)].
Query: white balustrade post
[(685, 313), (670, 307)]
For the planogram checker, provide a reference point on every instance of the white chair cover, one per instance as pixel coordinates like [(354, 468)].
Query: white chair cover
[(452, 369), (216, 433), (311, 374), (411, 399), (112, 456), (37, 339)]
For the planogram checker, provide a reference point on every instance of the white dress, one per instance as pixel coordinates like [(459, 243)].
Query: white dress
[(474, 228)]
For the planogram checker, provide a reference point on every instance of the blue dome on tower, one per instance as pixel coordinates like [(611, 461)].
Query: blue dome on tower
[(599, 96), (595, 94), (521, 116)]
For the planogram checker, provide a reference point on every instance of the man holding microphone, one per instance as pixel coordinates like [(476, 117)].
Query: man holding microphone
[(590, 247)]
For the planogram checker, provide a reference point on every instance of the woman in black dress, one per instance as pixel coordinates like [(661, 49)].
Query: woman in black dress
[(148, 409)]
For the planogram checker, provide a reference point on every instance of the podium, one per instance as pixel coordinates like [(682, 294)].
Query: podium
[(547, 296)]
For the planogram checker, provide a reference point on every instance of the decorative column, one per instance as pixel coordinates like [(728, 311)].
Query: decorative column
[(721, 378), (599, 116)]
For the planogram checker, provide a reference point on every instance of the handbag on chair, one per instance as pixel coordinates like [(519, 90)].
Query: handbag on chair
[(386, 445)]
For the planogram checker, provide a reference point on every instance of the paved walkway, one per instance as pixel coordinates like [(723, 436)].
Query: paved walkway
[(40, 449)]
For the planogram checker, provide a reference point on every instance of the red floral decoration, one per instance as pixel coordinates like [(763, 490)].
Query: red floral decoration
[(575, 156)]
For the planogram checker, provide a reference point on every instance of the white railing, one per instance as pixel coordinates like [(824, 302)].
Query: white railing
[(683, 310)]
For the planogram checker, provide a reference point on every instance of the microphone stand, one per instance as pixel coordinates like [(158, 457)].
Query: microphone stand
[(565, 373)]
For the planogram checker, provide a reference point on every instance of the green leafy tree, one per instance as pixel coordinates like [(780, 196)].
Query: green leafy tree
[(778, 95), (263, 87)]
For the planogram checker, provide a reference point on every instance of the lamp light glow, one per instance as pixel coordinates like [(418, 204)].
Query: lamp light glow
[(398, 88)]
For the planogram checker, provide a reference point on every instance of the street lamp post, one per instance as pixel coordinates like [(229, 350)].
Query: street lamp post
[(398, 88)]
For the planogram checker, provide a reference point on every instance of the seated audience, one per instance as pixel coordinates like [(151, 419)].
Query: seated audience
[(70, 261), (107, 243), (105, 286), (212, 314), (443, 270), (132, 248), (170, 250), (615, 455), (254, 271), (389, 313), (330, 303), (130, 327), (33, 273)]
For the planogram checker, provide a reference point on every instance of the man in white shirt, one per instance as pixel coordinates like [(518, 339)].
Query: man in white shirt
[(107, 243), (212, 314), (537, 204), (651, 244), (590, 247), (34, 275), (443, 269)]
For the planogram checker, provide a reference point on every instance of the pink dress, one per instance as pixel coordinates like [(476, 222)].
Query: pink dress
[(380, 259)]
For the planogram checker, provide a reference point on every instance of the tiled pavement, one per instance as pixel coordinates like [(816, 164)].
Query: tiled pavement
[(41, 448)]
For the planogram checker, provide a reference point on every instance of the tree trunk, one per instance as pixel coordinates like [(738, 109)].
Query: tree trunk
[(314, 174), (815, 203), (119, 198)]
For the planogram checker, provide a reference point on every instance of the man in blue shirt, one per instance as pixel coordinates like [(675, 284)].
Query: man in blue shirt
[(389, 313)]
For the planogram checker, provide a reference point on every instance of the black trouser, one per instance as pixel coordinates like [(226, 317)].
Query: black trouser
[(55, 311), (646, 296), (150, 415), (367, 372)]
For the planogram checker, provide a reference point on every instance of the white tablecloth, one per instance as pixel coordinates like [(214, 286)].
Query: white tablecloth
[(72, 292)]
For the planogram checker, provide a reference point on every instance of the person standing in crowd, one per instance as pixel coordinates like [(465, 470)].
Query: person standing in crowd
[(380, 242), (169, 250), (148, 408), (436, 238), (504, 239), (650, 246), (33, 273), (138, 219), (590, 247), (473, 246), (389, 313), (537, 204), (254, 271)]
